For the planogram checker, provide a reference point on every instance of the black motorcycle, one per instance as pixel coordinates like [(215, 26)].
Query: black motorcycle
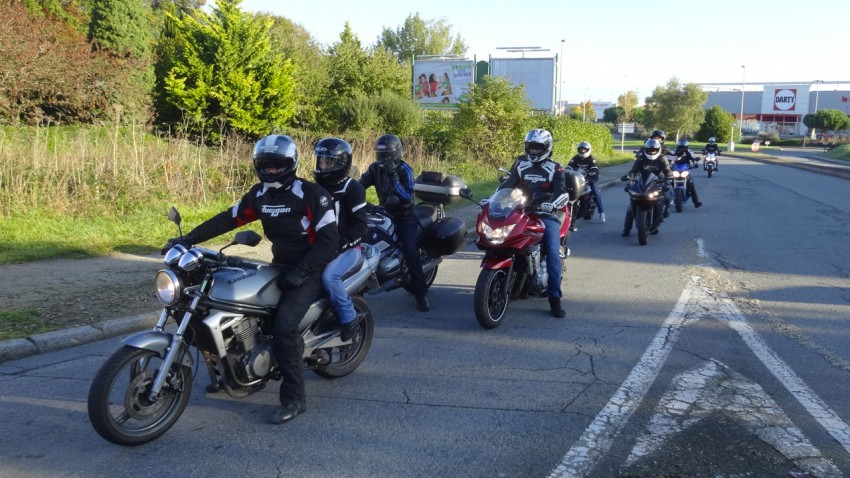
[(584, 207), (437, 236), (223, 306), (646, 198)]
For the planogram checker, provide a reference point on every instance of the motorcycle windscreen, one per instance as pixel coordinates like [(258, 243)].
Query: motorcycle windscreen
[(505, 201)]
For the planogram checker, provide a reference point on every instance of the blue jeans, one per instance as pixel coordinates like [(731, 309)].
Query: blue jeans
[(552, 246), (332, 280), (594, 188)]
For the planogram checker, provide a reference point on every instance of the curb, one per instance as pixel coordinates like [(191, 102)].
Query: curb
[(60, 339)]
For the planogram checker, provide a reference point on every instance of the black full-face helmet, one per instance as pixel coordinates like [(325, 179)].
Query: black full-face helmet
[(333, 161), (388, 152), (658, 133), (681, 146), (276, 159), (652, 148)]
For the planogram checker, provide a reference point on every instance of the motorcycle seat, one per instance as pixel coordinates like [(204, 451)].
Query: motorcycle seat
[(426, 215)]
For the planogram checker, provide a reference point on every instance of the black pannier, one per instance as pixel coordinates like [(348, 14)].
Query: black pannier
[(575, 183), (438, 188), (446, 236)]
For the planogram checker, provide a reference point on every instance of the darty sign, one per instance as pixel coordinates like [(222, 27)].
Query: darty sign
[(784, 99)]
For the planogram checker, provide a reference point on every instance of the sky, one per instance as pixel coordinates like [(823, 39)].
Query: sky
[(611, 47)]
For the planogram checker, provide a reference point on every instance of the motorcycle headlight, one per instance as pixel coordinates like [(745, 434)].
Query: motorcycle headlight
[(497, 235), (685, 174), (676, 174), (167, 287), (190, 261), (653, 194), (173, 255)]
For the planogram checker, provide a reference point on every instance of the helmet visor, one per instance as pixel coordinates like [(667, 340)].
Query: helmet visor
[(274, 163), (583, 150), (326, 164), (535, 149)]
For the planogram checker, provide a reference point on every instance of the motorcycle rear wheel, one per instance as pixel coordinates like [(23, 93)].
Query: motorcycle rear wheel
[(642, 223), (429, 279), (344, 360), (118, 405), (678, 199), (710, 170), (491, 297)]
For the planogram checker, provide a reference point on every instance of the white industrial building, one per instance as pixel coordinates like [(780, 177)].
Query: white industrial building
[(777, 107)]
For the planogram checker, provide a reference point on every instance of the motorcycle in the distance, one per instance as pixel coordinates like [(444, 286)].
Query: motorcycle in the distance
[(709, 164), (583, 207), (681, 174), (223, 306), (514, 265), (645, 190), (438, 235)]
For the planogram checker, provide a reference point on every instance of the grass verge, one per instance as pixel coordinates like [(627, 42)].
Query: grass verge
[(17, 323)]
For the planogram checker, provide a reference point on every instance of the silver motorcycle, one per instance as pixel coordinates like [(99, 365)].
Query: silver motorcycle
[(223, 306)]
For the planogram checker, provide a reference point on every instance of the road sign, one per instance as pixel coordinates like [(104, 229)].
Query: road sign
[(626, 128)]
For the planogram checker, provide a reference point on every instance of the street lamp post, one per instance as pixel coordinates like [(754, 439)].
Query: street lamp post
[(561, 80), (741, 119)]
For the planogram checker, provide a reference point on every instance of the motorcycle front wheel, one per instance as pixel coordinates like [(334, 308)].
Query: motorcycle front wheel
[(345, 359), (678, 199), (491, 297), (118, 404), (642, 222), (710, 170)]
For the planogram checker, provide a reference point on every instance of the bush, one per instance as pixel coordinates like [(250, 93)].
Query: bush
[(397, 114), (568, 133)]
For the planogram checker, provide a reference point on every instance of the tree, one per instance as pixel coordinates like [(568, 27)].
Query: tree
[(827, 120), (614, 114), (676, 108), (583, 112), (420, 37), (628, 101), (311, 69), (121, 26), (717, 124), (225, 77), (354, 75), (490, 126)]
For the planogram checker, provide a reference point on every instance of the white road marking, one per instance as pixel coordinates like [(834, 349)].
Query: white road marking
[(695, 303), (713, 386), (600, 434), (701, 248)]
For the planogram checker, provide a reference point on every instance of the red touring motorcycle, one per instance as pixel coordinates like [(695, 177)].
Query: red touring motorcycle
[(514, 265)]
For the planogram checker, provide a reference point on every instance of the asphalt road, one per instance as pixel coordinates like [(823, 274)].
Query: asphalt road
[(718, 349)]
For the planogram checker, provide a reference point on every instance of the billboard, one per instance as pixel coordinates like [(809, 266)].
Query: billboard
[(442, 84), (536, 74), (785, 99)]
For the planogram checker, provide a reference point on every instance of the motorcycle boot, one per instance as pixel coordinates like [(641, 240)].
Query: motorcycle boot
[(288, 412), (555, 307), (422, 304), (347, 330)]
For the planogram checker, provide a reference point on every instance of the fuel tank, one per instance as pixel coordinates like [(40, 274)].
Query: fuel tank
[(246, 286)]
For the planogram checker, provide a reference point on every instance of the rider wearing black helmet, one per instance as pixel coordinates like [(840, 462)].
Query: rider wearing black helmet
[(298, 218), (684, 157), (393, 181), (333, 164), (650, 159)]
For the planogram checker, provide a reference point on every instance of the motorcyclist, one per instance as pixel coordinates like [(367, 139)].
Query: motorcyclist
[(333, 164), (649, 160), (536, 172), (298, 218), (713, 147), (586, 164), (684, 157), (393, 181)]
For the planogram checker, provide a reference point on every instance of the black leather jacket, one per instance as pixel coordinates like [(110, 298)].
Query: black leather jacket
[(543, 177)]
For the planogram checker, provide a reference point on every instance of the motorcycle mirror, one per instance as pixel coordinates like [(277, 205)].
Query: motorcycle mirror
[(466, 193), (503, 170), (174, 216), (247, 238)]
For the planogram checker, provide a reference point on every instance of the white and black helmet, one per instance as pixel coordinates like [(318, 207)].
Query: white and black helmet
[(538, 145), (711, 140), (584, 149), (652, 148)]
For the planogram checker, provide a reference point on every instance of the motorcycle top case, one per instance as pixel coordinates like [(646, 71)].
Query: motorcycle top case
[(439, 188), (575, 183), (446, 236)]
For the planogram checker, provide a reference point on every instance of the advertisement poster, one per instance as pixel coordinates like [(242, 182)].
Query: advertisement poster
[(441, 84)]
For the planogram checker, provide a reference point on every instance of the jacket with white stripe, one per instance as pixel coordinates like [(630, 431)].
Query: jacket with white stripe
[(349, 199), (297, 218), (546, 176)]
